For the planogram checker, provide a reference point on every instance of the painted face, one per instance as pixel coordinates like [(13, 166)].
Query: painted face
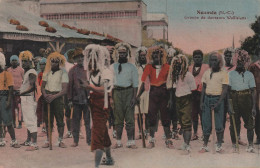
[(228, 57), (55, 64), (26, 64), (197, 59), (142, 58), (157, 57), (122, 57), (90, 67)]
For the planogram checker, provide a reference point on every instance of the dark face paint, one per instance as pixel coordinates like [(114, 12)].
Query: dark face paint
[(157, 58), (122, 57), (55, 65), (142, 59), (26, 64)]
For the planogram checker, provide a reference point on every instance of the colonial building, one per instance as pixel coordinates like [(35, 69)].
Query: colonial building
[(119, 18)]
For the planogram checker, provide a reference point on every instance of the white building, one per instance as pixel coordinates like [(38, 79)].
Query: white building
[(119, 18)]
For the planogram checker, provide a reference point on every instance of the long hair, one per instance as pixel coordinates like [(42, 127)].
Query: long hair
[(26, 55), (156, 48), (54, 56), (98, 53), (138, 52), (174, 74), (115, 55)]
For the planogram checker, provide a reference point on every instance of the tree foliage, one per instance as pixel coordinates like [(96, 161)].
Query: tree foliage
[(252, 43)]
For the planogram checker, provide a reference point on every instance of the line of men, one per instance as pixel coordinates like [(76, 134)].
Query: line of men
[(160, 82)]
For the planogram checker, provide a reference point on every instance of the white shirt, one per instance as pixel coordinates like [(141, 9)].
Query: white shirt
[(26, 81), (184, 87)]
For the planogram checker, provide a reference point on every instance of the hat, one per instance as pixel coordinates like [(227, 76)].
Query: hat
[(14, 57)]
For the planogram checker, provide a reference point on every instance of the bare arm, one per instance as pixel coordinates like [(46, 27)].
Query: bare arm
[(32, 80), (141, 90), (43, 89), (133, 101)]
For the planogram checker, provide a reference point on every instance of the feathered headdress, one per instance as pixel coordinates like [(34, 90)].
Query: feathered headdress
[(97, 53), (54, 56), (174, 74), (243, 57), (2, 61), (121, 46), (26, 55), (138, 52), (157, 48)]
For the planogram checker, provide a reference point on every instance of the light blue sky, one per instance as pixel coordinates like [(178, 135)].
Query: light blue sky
[(207, 35)]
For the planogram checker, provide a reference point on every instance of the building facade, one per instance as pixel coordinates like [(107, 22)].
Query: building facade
[(119, 18)]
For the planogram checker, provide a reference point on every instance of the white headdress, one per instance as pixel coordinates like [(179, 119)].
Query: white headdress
[(96, 52), (120, 46), (2, 60), (170, 52), (138, 51)]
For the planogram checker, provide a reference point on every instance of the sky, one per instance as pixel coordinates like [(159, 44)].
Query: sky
[(206, 34)]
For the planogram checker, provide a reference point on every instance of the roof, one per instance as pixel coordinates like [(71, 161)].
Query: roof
[(11, 11), (157, 17), (82, 1)]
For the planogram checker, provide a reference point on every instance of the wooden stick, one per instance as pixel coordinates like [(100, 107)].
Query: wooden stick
[(234, 123), (141, 126), (213, 131), (49, 127)]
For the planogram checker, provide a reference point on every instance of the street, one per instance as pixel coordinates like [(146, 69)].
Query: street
[(159, 157)]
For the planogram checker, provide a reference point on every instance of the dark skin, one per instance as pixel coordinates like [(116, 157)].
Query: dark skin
[(228, 58), (10, 93), (123, 55), (42, 66), (14, 63), (32, 77), (79, 60), (214, 62), (157, 60), (197, 60), (252, 90), (142, 58), (170, 102), (50, 97)]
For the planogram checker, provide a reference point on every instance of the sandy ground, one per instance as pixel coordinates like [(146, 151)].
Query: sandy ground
[(159, 157)]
